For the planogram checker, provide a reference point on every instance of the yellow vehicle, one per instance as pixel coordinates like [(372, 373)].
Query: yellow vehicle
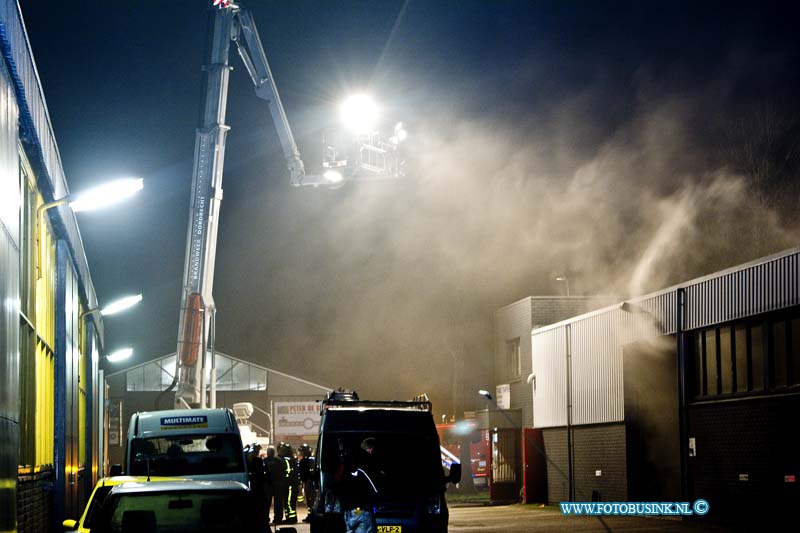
[(103, 487)]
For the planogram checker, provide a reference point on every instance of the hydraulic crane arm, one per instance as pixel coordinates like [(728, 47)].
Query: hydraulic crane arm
[(252, 53), (196, 324)]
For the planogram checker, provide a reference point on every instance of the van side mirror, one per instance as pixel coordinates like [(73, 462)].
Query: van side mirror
[(455, 473), (115, 470)]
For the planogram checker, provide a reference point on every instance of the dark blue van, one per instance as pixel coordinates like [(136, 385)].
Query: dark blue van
[(411, 481)]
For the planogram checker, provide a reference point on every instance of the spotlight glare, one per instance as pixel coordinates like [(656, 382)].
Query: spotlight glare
[(333, 176), (359, 113), (120, 355)]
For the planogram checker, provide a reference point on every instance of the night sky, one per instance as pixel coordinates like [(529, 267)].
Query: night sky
[(628, 145)]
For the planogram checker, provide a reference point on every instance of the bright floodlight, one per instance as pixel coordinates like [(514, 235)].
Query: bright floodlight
[(107, 194), (120, 355), (333, 176), (359, 113), (400, 134), (485, 394), (121, 305)]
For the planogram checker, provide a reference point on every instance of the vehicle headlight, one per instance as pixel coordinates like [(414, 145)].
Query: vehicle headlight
[(433, 505)]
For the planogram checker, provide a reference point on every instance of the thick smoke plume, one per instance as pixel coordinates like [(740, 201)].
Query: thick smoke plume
[(386, 287)]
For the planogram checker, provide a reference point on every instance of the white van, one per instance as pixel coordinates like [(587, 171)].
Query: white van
[(202, 444)]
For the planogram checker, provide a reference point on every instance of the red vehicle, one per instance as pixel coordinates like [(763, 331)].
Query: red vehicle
[(455, 435)]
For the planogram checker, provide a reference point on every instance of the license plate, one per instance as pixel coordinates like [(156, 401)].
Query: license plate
[(390, 529)]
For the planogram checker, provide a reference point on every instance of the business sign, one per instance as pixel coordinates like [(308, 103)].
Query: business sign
[(184, 422), (296, 418), (503, 395), (115, 423)]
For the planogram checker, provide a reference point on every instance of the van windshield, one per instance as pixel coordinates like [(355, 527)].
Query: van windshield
[(186, 455), (405, 465)]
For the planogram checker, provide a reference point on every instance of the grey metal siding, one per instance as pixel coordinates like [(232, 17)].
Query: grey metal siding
[(597, 341), (596, 370), (597, 338), (36, 133), (760, 288), (550, 384), (72, 357), (9, 304), (9, 252), (516, 321)]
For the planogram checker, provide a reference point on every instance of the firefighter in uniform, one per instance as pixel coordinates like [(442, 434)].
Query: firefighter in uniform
[(275, 469), (292, 483), (306, 474)]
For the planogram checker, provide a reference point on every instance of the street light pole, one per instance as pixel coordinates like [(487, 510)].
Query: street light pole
[(565, 279)]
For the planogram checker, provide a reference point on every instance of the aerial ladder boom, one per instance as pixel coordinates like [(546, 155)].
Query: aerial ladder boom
[(232, 23)]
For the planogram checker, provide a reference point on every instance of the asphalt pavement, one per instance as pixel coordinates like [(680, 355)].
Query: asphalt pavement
[(471, 518), (531, 519)]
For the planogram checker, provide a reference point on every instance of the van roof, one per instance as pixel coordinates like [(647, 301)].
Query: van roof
[(363, 405), (379, 421), (152, 423)]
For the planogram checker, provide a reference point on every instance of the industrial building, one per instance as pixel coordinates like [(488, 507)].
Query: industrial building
[(512, 408), (50, 341), (686, 393), (285, 408)]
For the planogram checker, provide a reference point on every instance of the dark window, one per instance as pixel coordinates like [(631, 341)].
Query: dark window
[(712, 372), (97, 499), (757, 357), (740, 347), (725, 360), (779, 354), (403, 475), (795, 347), (187, 455), (745, 357), (699, 370), (513, 358)]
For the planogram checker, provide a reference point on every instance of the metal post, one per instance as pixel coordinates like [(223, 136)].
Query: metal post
[(211, 346), (60, 389), (203, 363), (680, 346), (101, 423), (88, 474), (570, 458)]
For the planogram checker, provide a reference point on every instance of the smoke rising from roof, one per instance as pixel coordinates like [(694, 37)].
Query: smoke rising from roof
[(384, 286)]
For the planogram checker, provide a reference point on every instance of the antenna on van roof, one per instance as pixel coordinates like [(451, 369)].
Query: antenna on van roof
[(146, 457)]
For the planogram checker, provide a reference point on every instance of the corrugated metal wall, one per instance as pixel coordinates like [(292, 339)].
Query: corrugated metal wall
[(755, 289), (9, 304), (596, 369), (596, 339), (37, 135), (549, 353), (73, 404), (24, 121)]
